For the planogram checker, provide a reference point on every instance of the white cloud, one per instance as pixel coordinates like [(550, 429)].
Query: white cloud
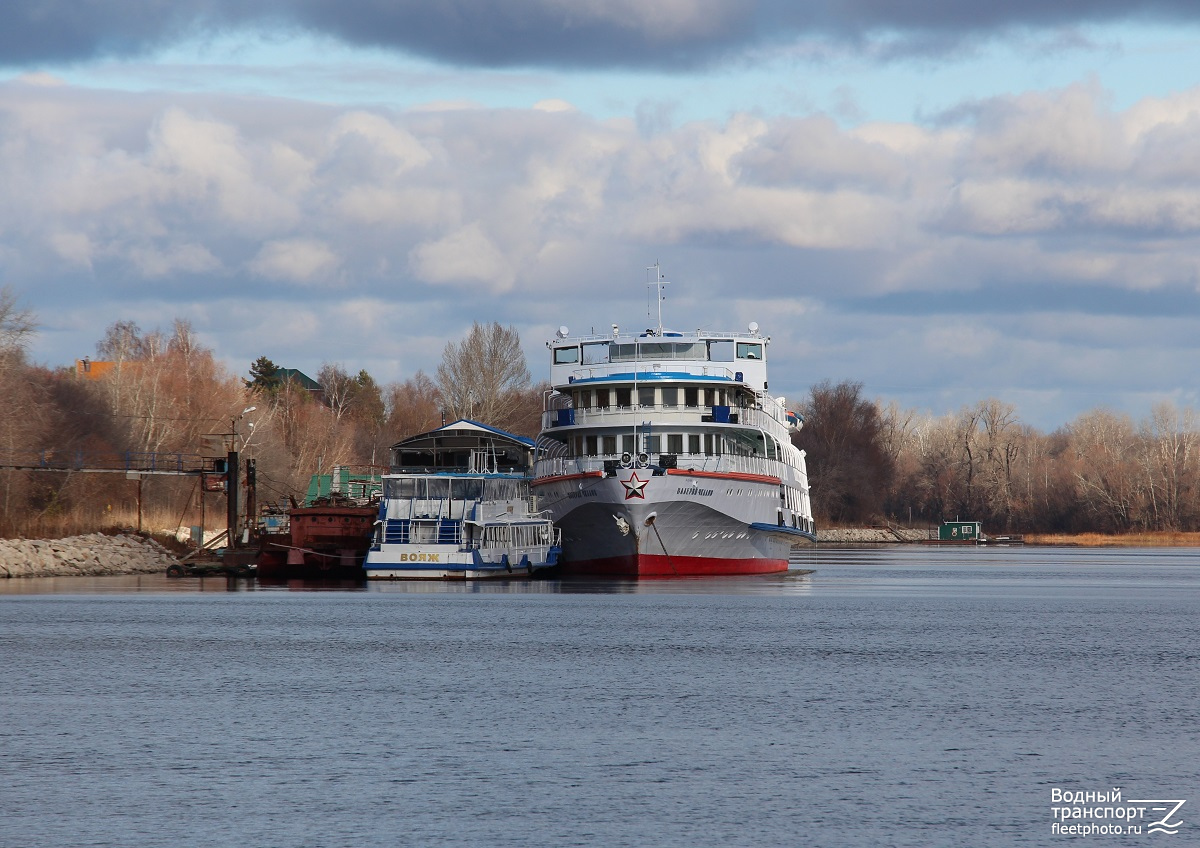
[(396, 146), (75, 248), (297, 260), (467, 255), (40, 78), (553, 106), (176, 259), (545, 215), (207, 164)]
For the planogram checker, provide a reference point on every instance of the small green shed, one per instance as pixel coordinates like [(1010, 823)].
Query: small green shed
[(960, 531)]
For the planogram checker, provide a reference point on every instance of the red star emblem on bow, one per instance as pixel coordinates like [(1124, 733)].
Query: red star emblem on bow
[(634, 487)]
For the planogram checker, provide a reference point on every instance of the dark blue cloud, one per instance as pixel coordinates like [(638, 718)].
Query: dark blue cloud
[(553, 33)]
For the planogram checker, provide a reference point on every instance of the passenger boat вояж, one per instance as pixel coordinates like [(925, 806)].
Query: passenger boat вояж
[(457, 505)]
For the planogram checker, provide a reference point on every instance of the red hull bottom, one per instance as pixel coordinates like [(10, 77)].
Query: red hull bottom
[(658, 566)]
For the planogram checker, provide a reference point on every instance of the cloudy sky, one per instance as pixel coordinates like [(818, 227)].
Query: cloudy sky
[(943, 201)]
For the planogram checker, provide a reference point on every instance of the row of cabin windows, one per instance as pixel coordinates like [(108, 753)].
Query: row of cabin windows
[(792, 499), (739, 442), (650, 395), (631, 444), (599, 353)]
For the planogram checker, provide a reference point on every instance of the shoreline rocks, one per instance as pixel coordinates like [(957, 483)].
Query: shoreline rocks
[(872, 535), (91, 555)]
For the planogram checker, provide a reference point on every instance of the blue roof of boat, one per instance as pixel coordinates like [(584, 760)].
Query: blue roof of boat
[(466, 423), (523, 439)]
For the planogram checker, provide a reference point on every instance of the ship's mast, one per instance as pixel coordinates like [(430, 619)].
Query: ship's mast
[(658, 284)]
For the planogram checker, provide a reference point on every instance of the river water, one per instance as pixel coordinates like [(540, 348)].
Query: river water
[(895, 696)]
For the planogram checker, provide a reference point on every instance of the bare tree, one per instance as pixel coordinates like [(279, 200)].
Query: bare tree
[(21, 414), (1104, 445), (296, 437), (937, 485), (412, 407), (483, 377), (896, 428), (338, 387), (122, 341), (1000, 441), (1169, 465), (17, 326)]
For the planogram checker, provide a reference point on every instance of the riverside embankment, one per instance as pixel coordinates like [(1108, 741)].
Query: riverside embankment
[(91, 555), (869, 535)]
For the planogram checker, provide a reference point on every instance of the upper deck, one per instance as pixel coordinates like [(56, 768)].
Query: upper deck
[(661, 355)]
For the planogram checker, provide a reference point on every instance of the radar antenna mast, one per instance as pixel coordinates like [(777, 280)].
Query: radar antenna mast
[(658, 283)]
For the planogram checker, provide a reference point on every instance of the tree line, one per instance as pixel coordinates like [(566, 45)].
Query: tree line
[(1103, 472), (162, 392), (869, 462)]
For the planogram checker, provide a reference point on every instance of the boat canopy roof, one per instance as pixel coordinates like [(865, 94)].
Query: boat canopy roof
[(463, 445), (660, 355)]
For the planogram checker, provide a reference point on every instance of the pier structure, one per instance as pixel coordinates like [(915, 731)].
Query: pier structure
[(137, 465)]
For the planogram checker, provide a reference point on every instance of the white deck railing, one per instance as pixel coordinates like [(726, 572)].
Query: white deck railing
[(666, 416), (646, 369), (723, 464)]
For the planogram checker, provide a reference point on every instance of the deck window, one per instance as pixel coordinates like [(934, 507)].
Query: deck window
[(693, 443), (566, 355), (745, 350), (720, 351), (608, 445), (624, 398), (501, 488), (628, 444), (591, 445), (653, 444), (602, 398), (467, 490), (691, 396), (595, 353), (670, 396), (675, 443), (656, 350), (403, 487), (745, 443), (645, 395)]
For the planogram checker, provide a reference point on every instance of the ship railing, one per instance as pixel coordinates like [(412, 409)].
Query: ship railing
[(668, 335), (520, 538), (422, 531), (644, 369), (715, 463), (773, 421)]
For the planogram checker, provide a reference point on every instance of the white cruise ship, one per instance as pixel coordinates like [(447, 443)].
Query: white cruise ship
[(663, 454)]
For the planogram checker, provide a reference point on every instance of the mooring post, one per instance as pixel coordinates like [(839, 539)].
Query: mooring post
[(231, 472)]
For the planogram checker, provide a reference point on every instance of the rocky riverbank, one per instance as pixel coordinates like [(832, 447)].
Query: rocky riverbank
[(869, 535), (90, 555)]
